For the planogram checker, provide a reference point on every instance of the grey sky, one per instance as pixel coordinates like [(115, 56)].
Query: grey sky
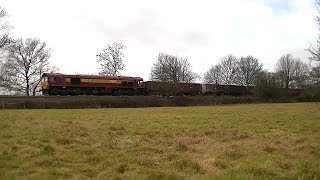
[(203, 30)]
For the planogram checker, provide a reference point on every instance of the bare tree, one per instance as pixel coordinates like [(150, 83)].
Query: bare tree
[(213, 75), (4, 41), (315, 74), (301, 74), (229, 69), (26, 61), (169, 68), (285, 69), (315, 50), (291, 71), (8, 78), (223, 73), (268, 85), (248, 71), (111, 59), (4, 29)]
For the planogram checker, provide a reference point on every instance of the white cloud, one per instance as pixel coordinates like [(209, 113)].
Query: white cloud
[(204, 30)]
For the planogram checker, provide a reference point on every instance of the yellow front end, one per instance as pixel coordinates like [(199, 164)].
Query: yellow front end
[(44, 85)]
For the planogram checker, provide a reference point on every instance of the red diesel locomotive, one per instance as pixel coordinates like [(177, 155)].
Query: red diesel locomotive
[(64, 84)]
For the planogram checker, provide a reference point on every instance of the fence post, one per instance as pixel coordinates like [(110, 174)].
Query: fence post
[(44, 104), (3, 103)]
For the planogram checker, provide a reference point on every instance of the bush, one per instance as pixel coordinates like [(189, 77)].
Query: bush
[(311, 93), (80, 102)]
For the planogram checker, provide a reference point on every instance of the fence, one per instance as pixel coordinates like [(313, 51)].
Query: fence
[(80, 102)]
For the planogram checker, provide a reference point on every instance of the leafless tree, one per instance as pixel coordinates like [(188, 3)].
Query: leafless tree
[(315, 50), (292, 71), (285, 69), (301, 74), (111, 59), (248, 70), (315, 74), (4, 29), (4, 40), (223, 73), (267, 85), (169, 68), (26, 61), (229, 69), (213, 75)]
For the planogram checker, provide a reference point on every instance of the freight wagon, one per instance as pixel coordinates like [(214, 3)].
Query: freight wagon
[(217, 89), (171, 89)]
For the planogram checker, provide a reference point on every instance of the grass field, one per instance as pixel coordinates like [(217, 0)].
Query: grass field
[(231, 142)]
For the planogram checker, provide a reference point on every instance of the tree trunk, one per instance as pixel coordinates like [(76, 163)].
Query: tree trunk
[(28, 87), (27, 91), (34, 91)]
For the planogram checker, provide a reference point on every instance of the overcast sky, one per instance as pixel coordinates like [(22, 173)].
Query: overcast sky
[(202, 30)]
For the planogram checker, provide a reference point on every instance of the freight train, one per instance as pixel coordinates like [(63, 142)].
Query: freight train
[(64, 84)]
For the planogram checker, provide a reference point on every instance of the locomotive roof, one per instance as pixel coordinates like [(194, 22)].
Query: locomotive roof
[(91, 76)]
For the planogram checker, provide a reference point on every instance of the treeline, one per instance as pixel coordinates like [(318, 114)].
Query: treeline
[(22, 62), (290, 72)]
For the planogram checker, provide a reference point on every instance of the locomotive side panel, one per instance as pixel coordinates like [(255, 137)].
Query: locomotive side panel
[(61, 84)]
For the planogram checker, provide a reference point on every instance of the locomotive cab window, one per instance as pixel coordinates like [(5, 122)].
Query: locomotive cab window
[(126, 83), (44, 79), (52, 79)]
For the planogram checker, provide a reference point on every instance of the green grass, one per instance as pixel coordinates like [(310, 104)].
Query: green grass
[(231, 142)]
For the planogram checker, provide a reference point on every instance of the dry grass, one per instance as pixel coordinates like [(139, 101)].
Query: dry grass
[(230, 142)]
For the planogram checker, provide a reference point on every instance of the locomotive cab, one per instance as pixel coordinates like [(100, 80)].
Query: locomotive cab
[(44, 84), (48, 81)]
